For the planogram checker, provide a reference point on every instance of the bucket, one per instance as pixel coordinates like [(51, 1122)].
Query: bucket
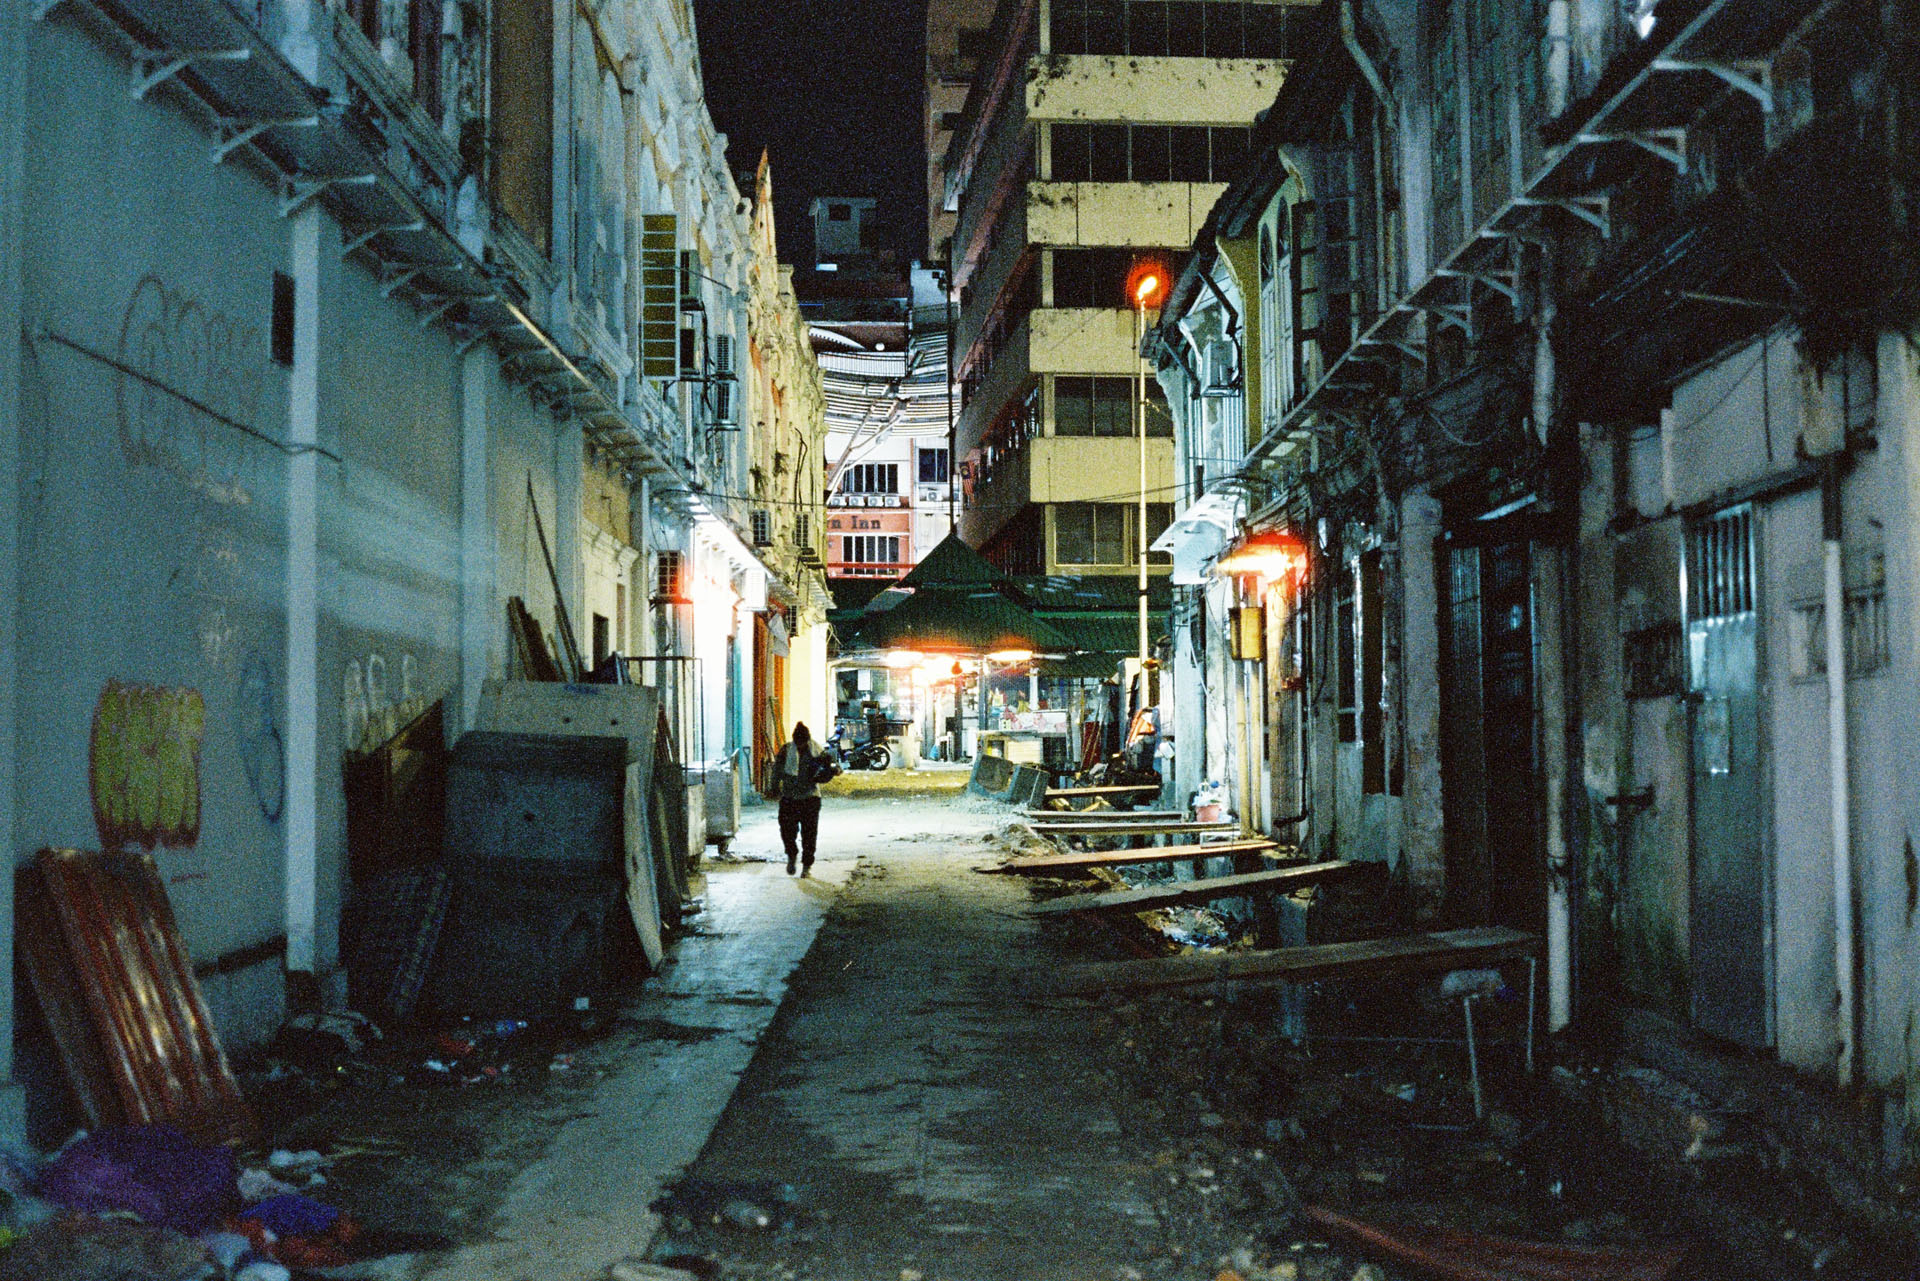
[(1207, 813)]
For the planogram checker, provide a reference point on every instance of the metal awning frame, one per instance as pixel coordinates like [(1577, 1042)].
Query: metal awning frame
[(1351, 386)]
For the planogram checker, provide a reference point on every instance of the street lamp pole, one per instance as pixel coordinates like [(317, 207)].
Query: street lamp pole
[(1147, 282), (1140, 423)]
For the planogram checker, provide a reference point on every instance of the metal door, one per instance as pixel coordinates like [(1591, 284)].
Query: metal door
[(1489, 765), (1729, 934)]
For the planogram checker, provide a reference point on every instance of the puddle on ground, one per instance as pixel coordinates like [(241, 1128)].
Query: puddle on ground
[(678, 1033)]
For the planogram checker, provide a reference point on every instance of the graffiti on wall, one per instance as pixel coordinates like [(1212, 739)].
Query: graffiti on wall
[(188, 366), (143, 765), (376, 702), (262, 755)]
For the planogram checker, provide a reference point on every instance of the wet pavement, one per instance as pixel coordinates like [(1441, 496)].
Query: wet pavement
[(928, 1118), (841, 1079)]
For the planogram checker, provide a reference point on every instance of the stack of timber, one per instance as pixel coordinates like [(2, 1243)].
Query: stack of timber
[(1408, 953), (1279, 880), (1443, 950)]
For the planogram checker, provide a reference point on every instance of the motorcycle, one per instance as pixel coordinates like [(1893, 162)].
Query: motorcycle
[(867, 756)]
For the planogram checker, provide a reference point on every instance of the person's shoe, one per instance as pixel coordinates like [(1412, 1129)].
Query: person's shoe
[(789, 867), (806, 869)]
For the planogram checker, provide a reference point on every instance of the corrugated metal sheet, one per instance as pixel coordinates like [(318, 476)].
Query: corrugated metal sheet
[(107, 961)]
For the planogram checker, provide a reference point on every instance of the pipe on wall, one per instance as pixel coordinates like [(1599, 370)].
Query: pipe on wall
[(1839, 779), (1559, 57), (1350, 37)]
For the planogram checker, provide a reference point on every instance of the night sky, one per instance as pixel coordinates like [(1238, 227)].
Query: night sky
[(833, 89)]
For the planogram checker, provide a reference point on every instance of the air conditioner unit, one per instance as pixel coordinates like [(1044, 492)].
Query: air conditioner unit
[(1221, 369), (762, 520)]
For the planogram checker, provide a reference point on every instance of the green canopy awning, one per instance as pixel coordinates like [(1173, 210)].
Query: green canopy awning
[(958, 620), (954, 564)]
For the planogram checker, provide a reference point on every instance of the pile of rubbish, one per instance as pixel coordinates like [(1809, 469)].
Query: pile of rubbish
[(313, 1054), (147, 1203)]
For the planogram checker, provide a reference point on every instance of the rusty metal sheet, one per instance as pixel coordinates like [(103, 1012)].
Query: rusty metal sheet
[(1453, 1255), (105, 918)]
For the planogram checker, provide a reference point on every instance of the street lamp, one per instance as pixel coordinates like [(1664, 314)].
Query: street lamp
[(1146, 287)]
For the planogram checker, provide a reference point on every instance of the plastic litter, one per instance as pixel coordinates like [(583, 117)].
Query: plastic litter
[(293, 1215), (152, 1171)]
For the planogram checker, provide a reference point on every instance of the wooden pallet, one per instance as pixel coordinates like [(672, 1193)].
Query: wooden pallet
[(1081, 860), (1105, 789), (1171, 893), (1445, 950)]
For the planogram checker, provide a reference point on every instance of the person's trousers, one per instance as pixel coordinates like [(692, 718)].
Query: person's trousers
[(800, 824)]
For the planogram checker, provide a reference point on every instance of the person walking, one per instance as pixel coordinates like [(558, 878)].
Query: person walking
[(798, 770)]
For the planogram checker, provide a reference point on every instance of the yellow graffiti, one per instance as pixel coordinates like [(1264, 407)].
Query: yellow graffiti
[(143, 764)]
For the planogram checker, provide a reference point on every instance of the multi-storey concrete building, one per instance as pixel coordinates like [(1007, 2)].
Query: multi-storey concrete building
[(1093, 135), (956, 37)]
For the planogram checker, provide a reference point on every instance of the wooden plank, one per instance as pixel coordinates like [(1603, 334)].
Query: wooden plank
[(1105, 789), (1118, 828), (1083, 859), (1201, 891), (1106, 816), (1446, 950)]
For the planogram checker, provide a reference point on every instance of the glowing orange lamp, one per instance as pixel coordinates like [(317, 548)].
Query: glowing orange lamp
[(1274, 555)]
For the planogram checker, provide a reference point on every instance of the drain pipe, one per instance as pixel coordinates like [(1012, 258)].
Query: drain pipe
[(1839, 781), (1550, 588), (1559, 58), (1350, 37)]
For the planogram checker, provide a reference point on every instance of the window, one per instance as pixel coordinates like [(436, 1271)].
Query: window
[(1147, 153), (1147, 28), (1159, 516), (1176, 28), (762, 521), (1098, 277), (282, 318), (839, 213), (1090, 533), (1103, 533), (521, 85), (1346, 675), (1190, 159), (424, 19), (1373, 736), (933, 467), (1187, 29), (1150, 148), (949, 121), (1106, 152), (669, 578), (975, 43), (871, 549), (871, 478), (1084, 405)]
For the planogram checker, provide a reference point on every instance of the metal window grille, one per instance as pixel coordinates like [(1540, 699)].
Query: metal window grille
[(669, 577), (1720, 566)]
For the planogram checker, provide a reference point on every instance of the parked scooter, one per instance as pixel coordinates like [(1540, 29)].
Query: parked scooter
[(874, 755)]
